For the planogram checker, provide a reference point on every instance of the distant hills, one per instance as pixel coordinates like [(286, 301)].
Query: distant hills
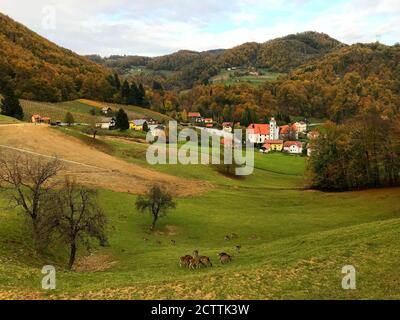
[(41, 70), (191, 67), (280, 55)]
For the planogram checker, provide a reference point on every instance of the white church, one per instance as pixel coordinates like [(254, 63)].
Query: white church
[(261, 133)]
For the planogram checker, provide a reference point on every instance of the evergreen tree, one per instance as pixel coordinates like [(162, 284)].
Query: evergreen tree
[(134, 95), (117, 81), (125, 91), (10, 104), (122, 121), (69, 118), (141, 95)]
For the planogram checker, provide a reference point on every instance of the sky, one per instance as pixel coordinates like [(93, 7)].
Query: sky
[(158, 27)]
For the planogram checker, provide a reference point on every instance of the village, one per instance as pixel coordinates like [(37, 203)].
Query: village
[(294, 138)]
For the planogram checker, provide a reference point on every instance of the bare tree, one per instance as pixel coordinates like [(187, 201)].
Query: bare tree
[(29, 183), (79, 217), (157, 201)]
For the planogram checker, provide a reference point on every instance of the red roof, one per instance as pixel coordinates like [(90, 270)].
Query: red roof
[(267, 146), (259, 129), (285, 129), (275, 141), (194, 115), (208, 120), (227, 124), (288, 144)]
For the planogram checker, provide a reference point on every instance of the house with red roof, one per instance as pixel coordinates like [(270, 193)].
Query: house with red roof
[(195, 117), (262, 133), (36, 118), (209, 122), (272, 145), (289, 132), (293, 147)]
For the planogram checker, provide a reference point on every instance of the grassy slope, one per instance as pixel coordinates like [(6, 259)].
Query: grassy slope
[(7, 120), (294, 242), (80, 109), (228, 77)]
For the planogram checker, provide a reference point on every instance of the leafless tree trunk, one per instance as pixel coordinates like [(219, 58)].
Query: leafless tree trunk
[(29, 183), (79, 217)]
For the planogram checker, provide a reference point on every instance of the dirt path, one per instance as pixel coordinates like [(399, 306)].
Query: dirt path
[(88, 165)]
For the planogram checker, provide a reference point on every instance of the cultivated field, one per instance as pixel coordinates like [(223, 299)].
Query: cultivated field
[(81, 110), (88, 165), (294, 241), (228, 77)]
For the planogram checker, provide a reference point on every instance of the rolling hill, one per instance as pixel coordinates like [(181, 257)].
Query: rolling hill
[(84, 110), (190, 67), (295, 242), (40, 70)]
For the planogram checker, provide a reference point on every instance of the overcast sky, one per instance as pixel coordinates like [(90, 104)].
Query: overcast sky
[(156, 27)]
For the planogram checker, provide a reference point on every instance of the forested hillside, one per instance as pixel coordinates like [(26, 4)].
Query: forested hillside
[(338, 86), (191, 68), (40, 70)]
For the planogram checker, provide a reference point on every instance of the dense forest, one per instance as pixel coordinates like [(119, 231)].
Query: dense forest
[(336, 87), (38, 69), (363, 152), (190, 68)]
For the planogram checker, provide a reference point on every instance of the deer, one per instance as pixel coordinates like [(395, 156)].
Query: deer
[(224, 258), (185, 261), (204, 261)]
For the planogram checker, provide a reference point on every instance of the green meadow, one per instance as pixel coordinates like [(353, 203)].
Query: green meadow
[(82, 110), (294, 241)]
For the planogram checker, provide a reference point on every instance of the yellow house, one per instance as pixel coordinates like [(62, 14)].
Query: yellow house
[(137, 125), (273, 145)]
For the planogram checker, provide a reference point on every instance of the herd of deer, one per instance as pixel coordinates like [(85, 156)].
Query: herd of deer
[(196, 261)]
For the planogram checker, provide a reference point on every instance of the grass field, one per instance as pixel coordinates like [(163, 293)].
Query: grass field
[(228, 77), (294, 241), (80, 109), (7, 120)]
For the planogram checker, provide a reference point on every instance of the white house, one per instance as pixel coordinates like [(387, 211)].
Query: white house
[(261, 133), (106, 123), (301, 126), (293, 147)]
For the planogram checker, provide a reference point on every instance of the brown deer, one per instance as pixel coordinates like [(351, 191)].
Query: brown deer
[(224, 258), (204, 261), (185, 261), (195, 262)]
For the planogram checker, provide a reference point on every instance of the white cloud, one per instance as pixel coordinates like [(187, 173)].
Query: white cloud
[(155, 27)]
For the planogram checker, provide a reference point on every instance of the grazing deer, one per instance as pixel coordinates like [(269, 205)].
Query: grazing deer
[(173, 242), (227, 238), (185, 261), (224, 258), (206, 261), (195, 262)]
